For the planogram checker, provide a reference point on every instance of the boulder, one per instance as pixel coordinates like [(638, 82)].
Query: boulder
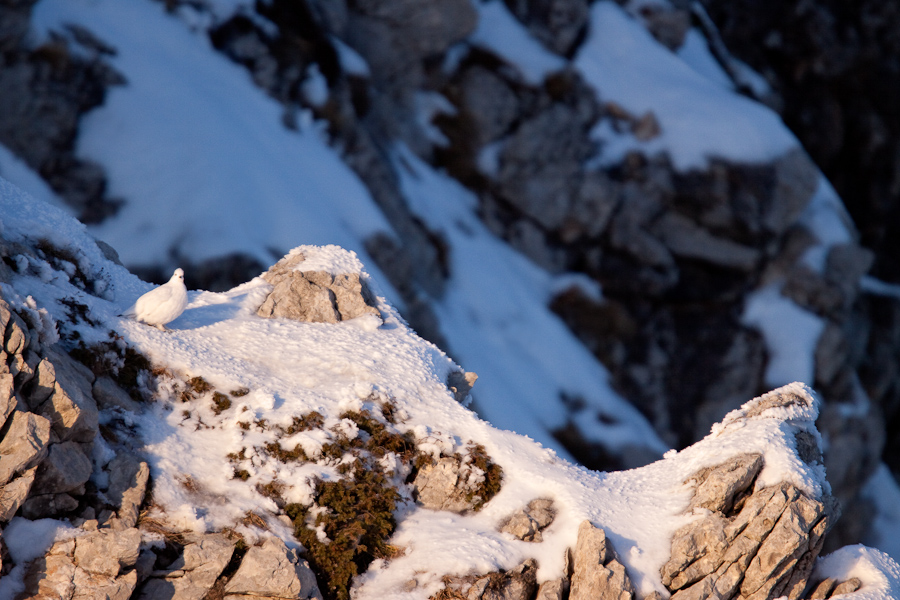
[(71, 407), (761, 547), (519, 583), (108, 394), (527, 523), (192, 575), (50, 577), (107, 552), (271, 570), (24, 445), (93, 586), (314, 296), (65, 469), (443, 486), (128, 477), (596, 572), (13, 494)]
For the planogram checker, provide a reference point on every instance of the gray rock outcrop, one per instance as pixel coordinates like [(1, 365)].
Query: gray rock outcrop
[(761, 547), (314, 296), (527, 523), (272, 571), (597, 573)]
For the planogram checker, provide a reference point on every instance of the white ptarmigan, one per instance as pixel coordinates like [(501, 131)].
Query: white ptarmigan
[(161, 305)]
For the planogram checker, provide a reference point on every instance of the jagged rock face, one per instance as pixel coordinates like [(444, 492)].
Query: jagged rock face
[(597, 572), (759, 544), (833, 67), (46, 90), (676, 253)]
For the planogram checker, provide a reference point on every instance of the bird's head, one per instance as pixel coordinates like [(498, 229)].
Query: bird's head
[(178, 274)]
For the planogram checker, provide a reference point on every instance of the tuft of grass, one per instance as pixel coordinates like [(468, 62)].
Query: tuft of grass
[(195, 387), (240, 392), (297, 454)]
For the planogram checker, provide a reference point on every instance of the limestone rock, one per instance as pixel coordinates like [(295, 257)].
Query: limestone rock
[(597, 574), (526, 524), (192, 575), (128, 477), (272, 571), (108, 394), (519, 583), (48, 505), (555, 589), (93, 586), (107, 552), (13, 494), (7, 394), (759, 547), (50, 577), (71, 407), (441, 486), (314, 296), (461, 383), (24, 444), (42, 385), (717, 487), (65, 469)]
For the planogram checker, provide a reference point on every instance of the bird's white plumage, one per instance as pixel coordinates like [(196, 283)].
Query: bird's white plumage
[(161, 305)]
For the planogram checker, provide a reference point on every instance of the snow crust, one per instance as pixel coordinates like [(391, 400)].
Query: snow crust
[(200, 153), (292, 368), (699, 118), (499, 31)]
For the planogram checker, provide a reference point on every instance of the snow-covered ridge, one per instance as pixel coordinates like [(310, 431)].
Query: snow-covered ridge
[(246, 421)]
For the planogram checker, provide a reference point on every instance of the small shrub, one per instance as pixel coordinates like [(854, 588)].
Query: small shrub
[(297, 454), (240, 392), (220, 402), (358, 524), (311, 420)]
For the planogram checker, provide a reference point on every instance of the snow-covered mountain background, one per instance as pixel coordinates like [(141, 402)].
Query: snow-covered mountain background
[(593, 206)]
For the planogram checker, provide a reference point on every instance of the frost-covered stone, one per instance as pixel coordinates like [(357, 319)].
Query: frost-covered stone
[(761, 548), (24, 445), (461, 383), (527, 523), (596, 572), (271, 570), (440, 486)]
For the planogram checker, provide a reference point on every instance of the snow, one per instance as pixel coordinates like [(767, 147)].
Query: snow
[(695, 52), (700, 119), (879, 574), (791, 334), (492, 293), (197, 188), (26, 540), (884, 492), (826, 217), (14, 170), (351, 61), (292, 368), (500, 32)]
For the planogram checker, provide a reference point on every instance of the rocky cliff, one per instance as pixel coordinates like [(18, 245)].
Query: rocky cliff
[(323, 452), (689, 242)]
